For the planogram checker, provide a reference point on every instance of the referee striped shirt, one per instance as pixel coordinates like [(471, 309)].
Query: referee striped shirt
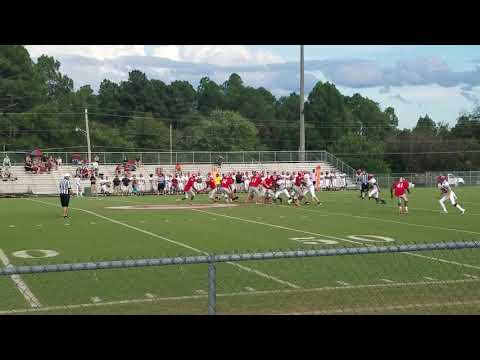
[(364, 178), (64, 186)]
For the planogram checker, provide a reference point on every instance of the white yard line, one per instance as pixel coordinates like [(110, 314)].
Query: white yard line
[(20, 284), (390, 307), (446, 261), (243, 267), (266, 276), (241, 293)]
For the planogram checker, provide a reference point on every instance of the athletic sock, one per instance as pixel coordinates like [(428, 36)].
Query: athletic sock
[(460, 208), (443, 206)]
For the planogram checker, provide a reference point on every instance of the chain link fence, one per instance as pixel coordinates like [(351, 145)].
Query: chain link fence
[(415, 278)]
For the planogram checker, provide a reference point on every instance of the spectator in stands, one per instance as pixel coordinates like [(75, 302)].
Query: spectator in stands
[(116, 185), (96, 159), (95, 167), (6, 161), (93, 184), (138, 162), (125, 183), (28, 164)]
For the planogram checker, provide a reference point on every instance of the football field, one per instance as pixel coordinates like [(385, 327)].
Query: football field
[(33, 231)]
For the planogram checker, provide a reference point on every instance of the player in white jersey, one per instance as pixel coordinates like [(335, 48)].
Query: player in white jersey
[(281, 189), (309, 188), (447, 194), (374, 190)]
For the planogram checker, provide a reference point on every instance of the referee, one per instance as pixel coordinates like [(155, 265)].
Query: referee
[(364, 184), (64, 189)]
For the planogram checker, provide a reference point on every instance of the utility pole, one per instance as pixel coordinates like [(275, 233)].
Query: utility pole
[(302, 102), (88, 137), (171, 148)]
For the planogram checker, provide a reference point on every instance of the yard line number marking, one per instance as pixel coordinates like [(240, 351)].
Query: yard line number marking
[(27, 254)]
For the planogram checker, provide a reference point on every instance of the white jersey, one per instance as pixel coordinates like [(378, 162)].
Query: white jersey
[(307, 180), (374, 183), (444, 187)]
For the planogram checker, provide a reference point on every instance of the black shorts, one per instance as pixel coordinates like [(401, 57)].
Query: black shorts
[(64, 199), (364, 187), (161, 186)]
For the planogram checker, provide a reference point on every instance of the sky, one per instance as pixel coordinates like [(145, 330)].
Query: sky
[(441, 81)]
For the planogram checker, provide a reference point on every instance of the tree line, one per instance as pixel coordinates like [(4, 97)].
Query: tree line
[(41, 108)]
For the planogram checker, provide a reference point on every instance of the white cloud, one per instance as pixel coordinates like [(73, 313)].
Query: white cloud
[(222, 55), (99, 52)]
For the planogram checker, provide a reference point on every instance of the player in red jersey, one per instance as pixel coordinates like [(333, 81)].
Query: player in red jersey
[(399, 188), (231, 185), (253, 186), (267, 185), (211, 187), (297, 188), (225, 189), (189, 188)]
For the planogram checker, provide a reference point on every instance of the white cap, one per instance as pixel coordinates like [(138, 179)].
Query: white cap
[(67, 175)]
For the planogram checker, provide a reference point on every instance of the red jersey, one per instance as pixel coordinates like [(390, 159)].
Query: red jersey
[(211, 183), (256, 180), (298, 180), (400, 187), (225, 183), (230, 180), (189, 184), (267, 183)]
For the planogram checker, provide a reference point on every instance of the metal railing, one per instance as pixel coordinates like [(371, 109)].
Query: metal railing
[(187, 157), (212, 260)]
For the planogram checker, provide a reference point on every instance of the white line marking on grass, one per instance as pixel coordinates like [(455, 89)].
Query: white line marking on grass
[(390, 307), (95, 300), (249, 288), (343, 283), (241, 293), (388, 281), (429, 278), (266, 276), (176, 243), (445, 261), (201, 292), (11, 226), (471, 276), (149, 296), (20, 284)]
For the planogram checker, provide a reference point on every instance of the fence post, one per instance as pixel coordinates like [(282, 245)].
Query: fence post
[(212, 291)]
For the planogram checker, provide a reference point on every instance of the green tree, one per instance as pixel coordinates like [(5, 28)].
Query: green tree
[(18, 89), (55, 87), (210, 96), (425, 126), (221, 131)]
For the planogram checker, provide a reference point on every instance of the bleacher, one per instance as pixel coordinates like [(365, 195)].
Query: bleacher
[(46, 184)]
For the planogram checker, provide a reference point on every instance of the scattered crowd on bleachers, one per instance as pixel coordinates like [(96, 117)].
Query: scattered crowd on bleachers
[(41, 164)]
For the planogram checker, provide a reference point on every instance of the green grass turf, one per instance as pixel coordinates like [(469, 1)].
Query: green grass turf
[(342, 284)]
